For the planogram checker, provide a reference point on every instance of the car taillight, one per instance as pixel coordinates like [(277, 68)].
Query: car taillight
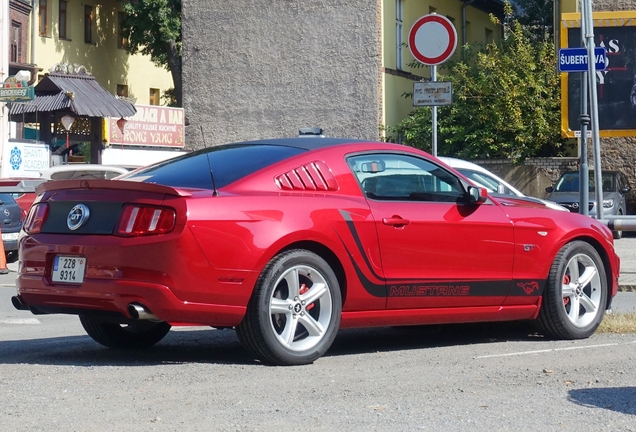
[(36, 217), (137, 220)]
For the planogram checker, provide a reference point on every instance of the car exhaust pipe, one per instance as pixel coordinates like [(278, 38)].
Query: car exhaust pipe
[(140, 312), (18, 303)]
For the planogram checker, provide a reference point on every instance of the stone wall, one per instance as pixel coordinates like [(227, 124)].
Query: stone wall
[(534, 176), (253, 70)]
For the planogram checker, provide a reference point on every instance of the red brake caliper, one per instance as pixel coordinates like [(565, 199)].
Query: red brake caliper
[(566, 281), (303, 290)]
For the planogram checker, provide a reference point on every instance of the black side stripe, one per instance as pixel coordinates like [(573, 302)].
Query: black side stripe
[(413, 288)]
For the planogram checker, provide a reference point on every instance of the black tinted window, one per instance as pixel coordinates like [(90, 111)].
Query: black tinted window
[(228, 163)]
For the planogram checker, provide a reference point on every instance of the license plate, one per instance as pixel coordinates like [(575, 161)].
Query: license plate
[(68, 269), (10, 236)]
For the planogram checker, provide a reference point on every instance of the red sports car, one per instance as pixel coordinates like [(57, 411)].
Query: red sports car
[(288, 240)]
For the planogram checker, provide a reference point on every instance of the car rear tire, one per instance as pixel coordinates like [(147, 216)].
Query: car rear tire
[(142, 334), (576, 294), (294, 313)]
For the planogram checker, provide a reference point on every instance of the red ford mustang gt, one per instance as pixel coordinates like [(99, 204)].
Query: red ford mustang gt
[(288, 240)]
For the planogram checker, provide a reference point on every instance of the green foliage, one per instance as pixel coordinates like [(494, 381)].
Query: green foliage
[(153, 27), (536, 16), (149, 25), (168, 98), (506, 103)]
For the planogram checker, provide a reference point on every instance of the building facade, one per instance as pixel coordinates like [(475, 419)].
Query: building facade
[(88, 33), (252, 71)]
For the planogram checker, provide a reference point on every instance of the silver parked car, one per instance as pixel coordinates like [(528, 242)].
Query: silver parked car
[(615, 187)]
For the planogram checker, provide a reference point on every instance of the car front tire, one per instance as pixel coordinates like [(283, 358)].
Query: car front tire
[(576, 294), (141, 334), (294, 313)]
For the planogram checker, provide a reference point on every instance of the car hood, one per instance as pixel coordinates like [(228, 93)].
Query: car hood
[(574, 196), (523, 201)]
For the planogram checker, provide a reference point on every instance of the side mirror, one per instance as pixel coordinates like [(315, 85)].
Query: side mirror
[(549, 189), (477, 194), (625, 189)]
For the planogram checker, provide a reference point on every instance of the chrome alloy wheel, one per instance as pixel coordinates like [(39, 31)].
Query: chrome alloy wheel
[(581, 290), (300, 308)]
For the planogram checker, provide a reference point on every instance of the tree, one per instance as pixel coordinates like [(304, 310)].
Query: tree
[(506, 103), (153, 27), (536, 16)]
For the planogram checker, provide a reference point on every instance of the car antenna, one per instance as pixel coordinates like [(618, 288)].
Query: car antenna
[(209, 164)]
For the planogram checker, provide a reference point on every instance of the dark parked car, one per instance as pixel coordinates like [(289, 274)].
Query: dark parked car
[(11, 225), (615, 187)]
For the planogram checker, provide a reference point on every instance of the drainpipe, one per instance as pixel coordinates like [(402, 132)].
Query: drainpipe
[(466, 3), (34, 29)]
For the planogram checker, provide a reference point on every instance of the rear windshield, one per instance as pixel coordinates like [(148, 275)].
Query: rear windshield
[(6, 199), (228, 163)]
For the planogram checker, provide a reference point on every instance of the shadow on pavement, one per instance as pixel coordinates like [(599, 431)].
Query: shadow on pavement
[(619, 399), (223, 347)]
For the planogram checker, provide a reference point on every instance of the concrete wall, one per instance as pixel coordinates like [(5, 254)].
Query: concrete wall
[(263, 69)]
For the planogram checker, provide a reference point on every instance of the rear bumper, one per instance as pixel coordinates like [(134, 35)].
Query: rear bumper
[(97, 297)]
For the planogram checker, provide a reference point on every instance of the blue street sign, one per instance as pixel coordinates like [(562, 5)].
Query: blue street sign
[(575, 59)]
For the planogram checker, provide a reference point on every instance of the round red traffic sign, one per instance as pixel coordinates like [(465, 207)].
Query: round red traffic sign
[(432, 39)]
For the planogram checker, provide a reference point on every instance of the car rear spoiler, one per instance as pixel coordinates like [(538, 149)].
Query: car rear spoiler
[(54, 185)]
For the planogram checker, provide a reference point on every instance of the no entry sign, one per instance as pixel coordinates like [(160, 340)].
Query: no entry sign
[(432, 39)]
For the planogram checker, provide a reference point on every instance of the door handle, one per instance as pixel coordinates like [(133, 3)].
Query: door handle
[(396, 221)]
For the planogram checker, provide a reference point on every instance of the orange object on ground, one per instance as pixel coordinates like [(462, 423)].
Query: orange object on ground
[(3, 259)]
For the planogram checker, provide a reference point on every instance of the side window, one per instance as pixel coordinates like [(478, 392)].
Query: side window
[(386, 176)]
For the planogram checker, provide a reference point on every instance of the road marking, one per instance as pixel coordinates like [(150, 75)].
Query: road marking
[(20, 321), (522, 353)]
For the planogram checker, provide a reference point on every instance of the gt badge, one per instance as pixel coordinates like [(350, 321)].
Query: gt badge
[(77, 217)]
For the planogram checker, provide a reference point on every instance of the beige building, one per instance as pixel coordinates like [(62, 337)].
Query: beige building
[(260, 71), (88, 33)]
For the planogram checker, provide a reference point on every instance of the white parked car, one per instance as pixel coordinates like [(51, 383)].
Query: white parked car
[(490, 181), (83, 171)]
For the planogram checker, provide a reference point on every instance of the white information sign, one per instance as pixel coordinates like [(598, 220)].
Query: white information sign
[(24, 159), (432, 93)]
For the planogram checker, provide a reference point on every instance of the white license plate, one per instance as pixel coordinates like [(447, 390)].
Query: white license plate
[(10, 236), (68, 269)]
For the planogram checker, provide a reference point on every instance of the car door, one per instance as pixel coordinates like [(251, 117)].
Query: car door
[(437, 250)]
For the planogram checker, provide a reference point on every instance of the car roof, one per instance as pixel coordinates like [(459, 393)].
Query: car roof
[(304, 142), (460, 163)]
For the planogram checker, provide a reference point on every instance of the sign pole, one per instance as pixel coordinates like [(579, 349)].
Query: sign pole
[(432, 41), (591, 80), (434, 116)]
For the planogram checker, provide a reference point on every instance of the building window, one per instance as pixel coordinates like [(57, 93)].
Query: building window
[(122, 41), (16, 42), (42, 15), (488, 36), (399, 30), (154, 96), (122, 90), (88, 24), (431, 10), (63, 20)]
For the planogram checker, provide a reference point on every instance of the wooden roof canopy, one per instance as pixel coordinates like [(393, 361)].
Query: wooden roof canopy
[(71, 89)]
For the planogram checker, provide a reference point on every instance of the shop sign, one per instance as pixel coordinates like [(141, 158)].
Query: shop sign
[(12, 90), (152, 125)]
